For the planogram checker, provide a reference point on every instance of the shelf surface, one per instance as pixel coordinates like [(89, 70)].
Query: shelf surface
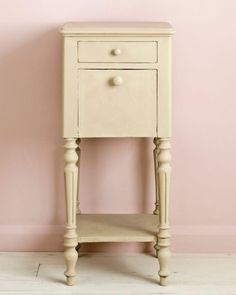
[(117, 228)]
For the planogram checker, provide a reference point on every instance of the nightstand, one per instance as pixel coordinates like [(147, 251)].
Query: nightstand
[(117, 83)]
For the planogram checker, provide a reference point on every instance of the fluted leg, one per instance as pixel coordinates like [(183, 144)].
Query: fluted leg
[(156, 210), (155, 155), (70, 238), (163, 175), (78, 211)]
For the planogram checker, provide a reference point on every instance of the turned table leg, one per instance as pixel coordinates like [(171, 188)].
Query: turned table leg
[(70, 237), (163, 180), (156, 210), (78, 211)]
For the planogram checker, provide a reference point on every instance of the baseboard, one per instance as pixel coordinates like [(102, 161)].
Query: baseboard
[(31, 238), (204, 239), (188, 239)]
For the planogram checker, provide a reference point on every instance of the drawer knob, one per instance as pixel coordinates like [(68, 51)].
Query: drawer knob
[(117, 81), (116, 51)]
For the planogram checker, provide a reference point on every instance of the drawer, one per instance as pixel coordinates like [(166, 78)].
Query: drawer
[(117, 103), (117, 52)]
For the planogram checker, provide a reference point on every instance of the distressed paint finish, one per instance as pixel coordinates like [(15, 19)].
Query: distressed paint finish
[(117, 83)]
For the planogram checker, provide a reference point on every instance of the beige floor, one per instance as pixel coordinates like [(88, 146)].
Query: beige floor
[(42, 273)]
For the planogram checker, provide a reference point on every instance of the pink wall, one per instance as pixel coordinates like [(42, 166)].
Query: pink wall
[(117, 175)]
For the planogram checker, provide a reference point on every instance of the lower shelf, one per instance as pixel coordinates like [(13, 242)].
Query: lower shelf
[(117, 228)]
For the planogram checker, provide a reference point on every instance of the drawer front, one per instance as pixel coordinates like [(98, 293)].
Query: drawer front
[(117, 52), (117, 103)]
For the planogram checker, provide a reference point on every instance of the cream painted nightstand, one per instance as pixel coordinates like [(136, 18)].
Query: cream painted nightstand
[(117, 83)]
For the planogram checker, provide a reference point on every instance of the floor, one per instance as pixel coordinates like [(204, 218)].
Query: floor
[(42, 273)]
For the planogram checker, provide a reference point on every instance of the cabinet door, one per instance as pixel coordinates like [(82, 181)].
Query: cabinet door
[(117, 103)]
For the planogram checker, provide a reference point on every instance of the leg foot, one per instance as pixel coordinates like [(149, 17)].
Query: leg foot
[(164, 258), (71, 257), (70, 281), (163, 281)]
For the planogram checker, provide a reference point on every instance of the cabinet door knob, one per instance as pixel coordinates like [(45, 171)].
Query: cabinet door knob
[(118, 80), (116, 51)]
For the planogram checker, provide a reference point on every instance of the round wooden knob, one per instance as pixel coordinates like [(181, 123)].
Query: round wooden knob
[(116, 51), (118, 80)]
